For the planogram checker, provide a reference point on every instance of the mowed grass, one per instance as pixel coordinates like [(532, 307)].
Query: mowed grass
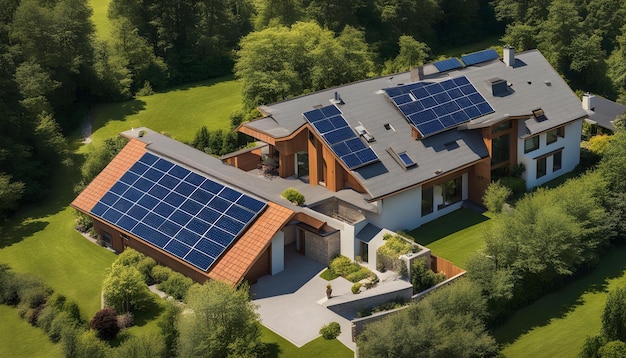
[(179, 112), (455, 236), (558, 324), (318, 348), (20, 339), (100, 18)]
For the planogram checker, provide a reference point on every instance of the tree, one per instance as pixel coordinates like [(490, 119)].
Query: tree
[(145, 345), (558, 30), (613, 164), (495, 196), (168, 326), (613, 349), (99, 157), (412, 54), (614, 315), (10, 194), (221, 322), (521, 36), (105, 324), (124, 289)]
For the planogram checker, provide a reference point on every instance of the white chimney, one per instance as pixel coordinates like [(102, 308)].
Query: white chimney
[(589, 102), (509, 55)]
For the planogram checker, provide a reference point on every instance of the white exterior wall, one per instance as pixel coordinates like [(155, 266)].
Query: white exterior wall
[(570, 157), (278, 252)]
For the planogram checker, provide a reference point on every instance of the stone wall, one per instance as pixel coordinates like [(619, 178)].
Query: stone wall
[(322, 248)]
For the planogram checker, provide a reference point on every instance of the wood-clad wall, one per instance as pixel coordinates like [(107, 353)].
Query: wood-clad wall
[(479, 179)]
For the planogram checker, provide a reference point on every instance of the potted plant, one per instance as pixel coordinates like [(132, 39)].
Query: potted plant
[(329, 291)]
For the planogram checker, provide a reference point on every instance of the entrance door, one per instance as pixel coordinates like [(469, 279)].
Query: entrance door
[(301, 242), (364, 251), (302, 165)]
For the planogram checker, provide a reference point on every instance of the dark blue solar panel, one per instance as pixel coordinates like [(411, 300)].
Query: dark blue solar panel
[(420, 93), (163, 165), (442, 97), (202, 196), (330, 111), (127, 223), (323, 126), (143, 184), (156, 238), (179, 172), (194, 179), (460, 81), (109, 198), (467, 89), (209, 215), (460, 117), (212, 186), (219, 204), (338, 121), (169, 181), (314, 115), (129, 178), (99, 209), (148, 159), (148, 202), (240, 213), (448, 85), (123, 205), (187, 237), (339, 135), (411, 108), (139, 168), (184, 189), (200, 260), (427, 102), (402, 99), (472, 111), (177, 248), (454, 93), (153, 220), (366, 155), (191, 207), (209, 248), (351, 160), (174, 199), (251, 204), (158, 191), (479, 57), (447, 121), (431, 127), (198, 226), (153, 174), (112, 215), (180, 217), (395, 91), (484, 108), (133, 194), (434, 88), (220, 236), (230, 194), (463, 102), (440, 110), (355, 144), (170, 228), (230, 225), (447, 65), (341, 149), (137, 212), (423, 116), (406, 159), (476, 98), (164, 209)]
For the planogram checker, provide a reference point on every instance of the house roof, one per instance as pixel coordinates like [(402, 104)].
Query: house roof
[(532, 84), (604, 112), (237, 258)]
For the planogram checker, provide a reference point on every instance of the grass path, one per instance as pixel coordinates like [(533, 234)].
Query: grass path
[(100, 18), (558, 324)]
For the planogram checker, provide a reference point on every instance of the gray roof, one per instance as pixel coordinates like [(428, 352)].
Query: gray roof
[(368, 233), (605, 111), (533, 84)]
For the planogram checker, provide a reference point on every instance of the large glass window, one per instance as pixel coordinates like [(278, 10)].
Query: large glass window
[(541, 167), (427, 201), (453, 191), (501, 127), (552, 136), (557, 159), (531, 144), (500, 149)]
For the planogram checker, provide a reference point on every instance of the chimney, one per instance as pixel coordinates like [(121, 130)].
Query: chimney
[(509, 56), (589, 102)]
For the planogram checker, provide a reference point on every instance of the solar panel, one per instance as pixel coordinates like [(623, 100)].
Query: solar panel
[(479, 57), (439, 106), (343, 141), (447, 65), (175, 209)]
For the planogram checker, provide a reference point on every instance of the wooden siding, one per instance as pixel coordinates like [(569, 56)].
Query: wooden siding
[(245, 161), (438, 264), (262, 267), (479, 179)]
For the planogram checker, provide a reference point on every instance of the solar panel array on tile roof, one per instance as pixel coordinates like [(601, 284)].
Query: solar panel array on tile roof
[(177, 210), (480, 57), (434, 107), (330, 125), (447, 65)]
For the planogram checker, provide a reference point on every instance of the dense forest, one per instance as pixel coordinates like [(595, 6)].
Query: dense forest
[(53, 66)]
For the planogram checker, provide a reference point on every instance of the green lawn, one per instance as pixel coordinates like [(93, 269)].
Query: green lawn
[(180, 111), (20, 339), (318, 348), (453, 237), (557, 324), (100, 18)]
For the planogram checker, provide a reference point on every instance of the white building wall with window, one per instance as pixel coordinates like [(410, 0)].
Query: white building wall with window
[(569, 143)]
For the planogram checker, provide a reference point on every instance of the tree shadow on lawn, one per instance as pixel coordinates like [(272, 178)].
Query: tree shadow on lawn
[(16, 232), (115, 112), (558, 304), (446, 225), (205, 83), (273, 350)]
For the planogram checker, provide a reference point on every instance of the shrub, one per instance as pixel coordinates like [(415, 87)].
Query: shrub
[(328, 275), (404, 271), (357, 276), (495, 196), (176, 285), (146, 90), (423, 277), (331, 330), (161, 273), (343, 266), (598, 143), (59, 325), (32, 291), (293, 195), (356, 288), (8, 287), (125, 320), (130, 257), (105, 324), (145, 266), (390, 252), (517, 185)]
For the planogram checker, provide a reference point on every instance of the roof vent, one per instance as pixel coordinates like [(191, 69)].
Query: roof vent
[(508, 53), (337, 99), (589, 102), (499, 86), (548, 83), (539, 115), (364, 133)]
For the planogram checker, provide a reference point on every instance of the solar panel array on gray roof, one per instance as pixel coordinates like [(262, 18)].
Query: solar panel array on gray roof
[(479, 57), (434, 107), (186, 214), (330, 125), (447, 65)]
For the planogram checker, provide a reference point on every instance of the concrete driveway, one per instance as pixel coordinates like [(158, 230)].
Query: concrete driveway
[(289, 302)]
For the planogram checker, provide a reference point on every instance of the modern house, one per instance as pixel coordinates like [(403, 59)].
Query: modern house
[(602, 112), (387, 153)]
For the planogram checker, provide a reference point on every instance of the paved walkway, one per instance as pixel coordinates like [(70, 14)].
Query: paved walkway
[(290, 303)]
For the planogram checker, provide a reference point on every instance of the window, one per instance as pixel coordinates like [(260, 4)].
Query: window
[(452, 191), (500, 149), (107, 239), (531, 144), (427, 201), (561, 132), (557, 159), (501, 127), (541, 167), (552, 136)]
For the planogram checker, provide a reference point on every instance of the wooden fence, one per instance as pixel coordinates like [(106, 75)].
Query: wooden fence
[(438, 264)]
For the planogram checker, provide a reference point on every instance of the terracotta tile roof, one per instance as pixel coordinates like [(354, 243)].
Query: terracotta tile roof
[(238, 260), (109, 175)]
